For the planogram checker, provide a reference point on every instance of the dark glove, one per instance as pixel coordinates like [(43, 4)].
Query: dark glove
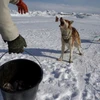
[(17, 45)]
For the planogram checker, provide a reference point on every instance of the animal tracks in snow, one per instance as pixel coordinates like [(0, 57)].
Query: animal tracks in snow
[(92, 87), (61, 81), (61, 78)]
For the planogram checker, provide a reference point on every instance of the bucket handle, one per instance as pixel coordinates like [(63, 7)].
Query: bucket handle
[(27, 53)]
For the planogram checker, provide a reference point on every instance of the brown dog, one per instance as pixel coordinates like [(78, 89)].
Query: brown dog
[(69, 37)]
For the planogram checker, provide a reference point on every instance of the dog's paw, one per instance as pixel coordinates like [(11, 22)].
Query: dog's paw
[(59, 59), (80, 54), (70, 61)]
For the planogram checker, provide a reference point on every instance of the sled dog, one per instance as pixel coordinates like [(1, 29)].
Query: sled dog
[(69, 37)]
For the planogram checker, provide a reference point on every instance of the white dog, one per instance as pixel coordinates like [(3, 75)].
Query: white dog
[(69, 37)]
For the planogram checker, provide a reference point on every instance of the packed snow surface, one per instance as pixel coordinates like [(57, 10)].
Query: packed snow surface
[(79, 80)]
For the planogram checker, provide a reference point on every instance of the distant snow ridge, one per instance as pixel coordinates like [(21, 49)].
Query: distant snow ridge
[(52, 13), (34, 13), (43, 13), (82, 15), (13, 12)]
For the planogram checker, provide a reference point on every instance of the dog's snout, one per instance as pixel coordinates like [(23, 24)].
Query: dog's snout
[(62, 23)]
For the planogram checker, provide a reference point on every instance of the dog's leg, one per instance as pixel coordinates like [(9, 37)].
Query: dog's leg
[(62, 52), (71, 54), (80, 53)]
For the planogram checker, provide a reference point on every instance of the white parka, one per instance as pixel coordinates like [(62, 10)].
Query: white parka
[(8, 29)]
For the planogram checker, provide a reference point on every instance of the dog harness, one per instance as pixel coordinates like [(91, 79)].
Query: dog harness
[(66, 35)]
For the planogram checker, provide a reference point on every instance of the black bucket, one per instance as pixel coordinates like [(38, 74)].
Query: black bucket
[(19, 79)]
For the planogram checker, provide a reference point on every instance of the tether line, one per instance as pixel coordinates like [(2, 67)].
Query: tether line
[(91, 43)]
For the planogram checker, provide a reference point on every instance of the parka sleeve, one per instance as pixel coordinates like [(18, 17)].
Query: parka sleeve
[(8, 29), (14, 1)]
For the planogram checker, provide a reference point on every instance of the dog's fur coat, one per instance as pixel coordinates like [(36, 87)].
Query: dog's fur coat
[(69, 37)]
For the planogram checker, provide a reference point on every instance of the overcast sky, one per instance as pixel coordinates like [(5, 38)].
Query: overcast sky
[(63, 5)]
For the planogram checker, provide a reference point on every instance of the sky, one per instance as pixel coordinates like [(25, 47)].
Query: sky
[(64, 5), (70, 2)]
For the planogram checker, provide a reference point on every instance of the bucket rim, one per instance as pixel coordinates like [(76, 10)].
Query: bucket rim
[(23, 90)]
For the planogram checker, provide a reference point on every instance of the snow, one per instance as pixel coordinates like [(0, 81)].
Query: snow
[(79, 80)]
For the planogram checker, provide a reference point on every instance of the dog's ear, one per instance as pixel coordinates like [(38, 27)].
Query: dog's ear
[(56, 19), (71, 22)]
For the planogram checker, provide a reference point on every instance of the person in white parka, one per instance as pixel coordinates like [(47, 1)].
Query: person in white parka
[(8, 29)]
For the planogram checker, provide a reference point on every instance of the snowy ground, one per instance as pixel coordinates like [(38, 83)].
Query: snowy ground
[(61, 80)]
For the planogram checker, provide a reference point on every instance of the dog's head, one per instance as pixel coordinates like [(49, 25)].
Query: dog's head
[(64, 23)]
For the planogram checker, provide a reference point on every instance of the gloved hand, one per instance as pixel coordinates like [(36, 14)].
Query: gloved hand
[(22, 7), (17, 45)]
